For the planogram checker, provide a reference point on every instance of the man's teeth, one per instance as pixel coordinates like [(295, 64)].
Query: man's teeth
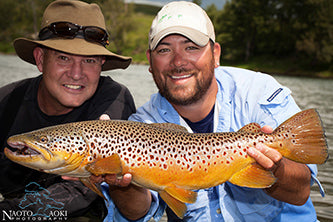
[(181, 77), (73, 86)]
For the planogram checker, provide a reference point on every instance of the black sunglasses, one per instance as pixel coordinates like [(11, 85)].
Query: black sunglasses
[(70, 30)]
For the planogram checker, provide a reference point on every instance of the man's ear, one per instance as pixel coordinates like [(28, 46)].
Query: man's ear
[(148, 54), (103, 60), (39, 57), (217, 54)]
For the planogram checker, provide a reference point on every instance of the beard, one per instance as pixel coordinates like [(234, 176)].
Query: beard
[(185, 95)]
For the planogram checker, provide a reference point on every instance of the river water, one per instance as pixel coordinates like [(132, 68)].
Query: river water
[(308, 93)]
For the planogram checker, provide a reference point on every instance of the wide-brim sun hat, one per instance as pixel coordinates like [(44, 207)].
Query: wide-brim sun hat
[(184, 18), (82, 14)]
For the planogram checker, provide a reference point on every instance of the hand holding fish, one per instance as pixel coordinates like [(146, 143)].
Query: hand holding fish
[(112, 179), (293, 179), (123, 192), (267, 157)]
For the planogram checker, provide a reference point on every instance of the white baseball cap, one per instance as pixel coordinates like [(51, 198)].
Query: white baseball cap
[(185, 18)]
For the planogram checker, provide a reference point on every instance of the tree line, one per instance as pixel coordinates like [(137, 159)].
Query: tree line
[(298, 29)]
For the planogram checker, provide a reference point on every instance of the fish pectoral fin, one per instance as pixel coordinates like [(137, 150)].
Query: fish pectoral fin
[(87, 182), (178, 207), (251, 128), (183, 195), (110, 165), (253, 176)]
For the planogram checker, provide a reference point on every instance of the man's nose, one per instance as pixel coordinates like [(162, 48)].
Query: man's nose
[(179, 59), (76, 71)]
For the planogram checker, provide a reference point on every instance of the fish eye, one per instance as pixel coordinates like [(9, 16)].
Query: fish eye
[(43, 139)]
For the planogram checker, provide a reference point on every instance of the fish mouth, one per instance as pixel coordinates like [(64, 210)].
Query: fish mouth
[(22, 150)]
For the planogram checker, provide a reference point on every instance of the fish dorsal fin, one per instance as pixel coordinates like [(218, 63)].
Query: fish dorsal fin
[(178, 207), (87, 182), (170, 126), (251, 128), (110, 165), (183, 195), (253, 176)]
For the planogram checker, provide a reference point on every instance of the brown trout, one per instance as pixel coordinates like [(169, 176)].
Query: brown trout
[(165, 157)]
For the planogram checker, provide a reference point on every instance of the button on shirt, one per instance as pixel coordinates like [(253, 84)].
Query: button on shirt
[(243, 97)]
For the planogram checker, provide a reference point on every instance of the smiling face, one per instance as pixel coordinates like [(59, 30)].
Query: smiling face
[(182, 70), (68, 80)]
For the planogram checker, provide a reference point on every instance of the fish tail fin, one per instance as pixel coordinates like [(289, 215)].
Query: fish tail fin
[(301, 138)]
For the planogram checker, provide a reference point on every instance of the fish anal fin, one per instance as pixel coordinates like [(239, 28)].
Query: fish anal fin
[(87, 182), (253, 176), (170, 126), (178, 207), (107, 165), (251, 128), (183, 195)]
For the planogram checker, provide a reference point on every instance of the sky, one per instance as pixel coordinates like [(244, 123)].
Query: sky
[(218, 3)]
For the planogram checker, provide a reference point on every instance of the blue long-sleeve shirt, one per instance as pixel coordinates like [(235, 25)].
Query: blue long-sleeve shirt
[(243, 97)]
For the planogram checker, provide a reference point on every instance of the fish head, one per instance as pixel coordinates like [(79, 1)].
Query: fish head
[(59, 150)]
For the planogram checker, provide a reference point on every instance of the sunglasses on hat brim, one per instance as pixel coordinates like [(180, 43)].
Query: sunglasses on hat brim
[(71, 30)]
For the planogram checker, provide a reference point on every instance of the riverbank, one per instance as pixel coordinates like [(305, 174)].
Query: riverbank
[(284, 67)]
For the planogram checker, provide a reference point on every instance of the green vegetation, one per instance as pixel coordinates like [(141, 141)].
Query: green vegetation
[(281, 36)]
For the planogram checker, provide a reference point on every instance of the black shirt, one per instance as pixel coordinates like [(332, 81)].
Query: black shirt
[(205, 125)]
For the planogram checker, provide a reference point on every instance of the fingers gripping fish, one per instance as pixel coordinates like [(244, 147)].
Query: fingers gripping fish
[(165, 157)]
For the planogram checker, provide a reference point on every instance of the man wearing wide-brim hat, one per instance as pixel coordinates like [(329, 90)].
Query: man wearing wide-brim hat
[(70, 53)]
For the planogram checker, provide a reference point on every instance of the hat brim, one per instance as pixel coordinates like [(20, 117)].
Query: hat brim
[(24, 49), (194, 35)]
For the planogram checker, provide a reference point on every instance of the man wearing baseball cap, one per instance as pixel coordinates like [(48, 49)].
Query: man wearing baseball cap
[(199, 94), (70, 53)]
